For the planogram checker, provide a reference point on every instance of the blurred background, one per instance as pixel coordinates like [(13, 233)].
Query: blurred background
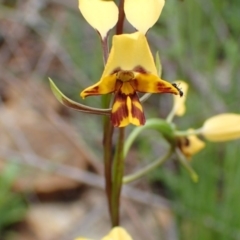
[(51, 184)]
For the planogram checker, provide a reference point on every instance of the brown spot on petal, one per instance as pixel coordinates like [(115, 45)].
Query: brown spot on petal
[(93, 90), (161, 86), (116, 70), (118, 115), (183, 142), (136, 112), (140, 69), (134, 84), (118, 85), (121, 110)]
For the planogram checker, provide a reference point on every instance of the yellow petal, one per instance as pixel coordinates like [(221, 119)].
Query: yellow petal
[(130, 51), (117, 233), (190, 145), (126, 108), (222, 127), (104, 86), (152, 84), (102, 15), (179, 102), (143, 14)]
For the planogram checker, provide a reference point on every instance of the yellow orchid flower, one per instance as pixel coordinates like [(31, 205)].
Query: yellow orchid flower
[(102, 15), (219, 128), (190, 145), (130, 68), (117, 233), (143, 14), (222, 127)]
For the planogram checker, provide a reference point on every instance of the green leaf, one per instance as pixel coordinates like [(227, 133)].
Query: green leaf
[(75, 105)]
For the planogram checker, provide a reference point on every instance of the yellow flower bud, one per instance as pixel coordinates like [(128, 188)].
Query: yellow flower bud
[(143, 14), (222, 127), (102, 15)]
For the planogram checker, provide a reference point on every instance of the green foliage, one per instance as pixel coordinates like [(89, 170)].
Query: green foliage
[(12, 205), (203, 45), (209, 209)]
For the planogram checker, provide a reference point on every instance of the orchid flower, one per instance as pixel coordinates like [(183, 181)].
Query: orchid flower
[(130, 68), (219, 128)]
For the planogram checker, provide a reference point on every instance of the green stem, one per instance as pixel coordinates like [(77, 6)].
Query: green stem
[(187, 132), (171, 115), (186, 164), (118, 169), (107, 136), (160, 125), (145, 97), (75, 105), (118, 164), (147, 169), (107, 155)]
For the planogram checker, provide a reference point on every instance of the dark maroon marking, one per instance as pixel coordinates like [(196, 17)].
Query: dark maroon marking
[(118, 85), (134, 84), (93, 90), (122, 111), (136, 112), (160, 84), (179, 89), (139, 69), (162, 88), (182, 143), (116, 70)]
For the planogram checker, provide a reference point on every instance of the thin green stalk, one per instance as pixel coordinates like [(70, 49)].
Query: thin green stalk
[(187, 132), (186, 164), (107, 136), (118, 163), (107, 155), (75, 105), (171, 115), (158, 124), (118, 169), (147, 169)]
